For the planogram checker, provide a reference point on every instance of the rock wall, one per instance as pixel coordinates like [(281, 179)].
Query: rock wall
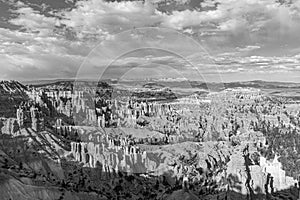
[(113, 158), (248, 177), (9, 126)]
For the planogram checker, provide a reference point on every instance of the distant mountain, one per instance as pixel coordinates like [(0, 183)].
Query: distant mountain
[(212, 86), (259, 84), (263, 84), (152, 85), (46, 81)]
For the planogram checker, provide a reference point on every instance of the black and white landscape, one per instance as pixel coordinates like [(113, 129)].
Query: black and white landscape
[(149, 99)]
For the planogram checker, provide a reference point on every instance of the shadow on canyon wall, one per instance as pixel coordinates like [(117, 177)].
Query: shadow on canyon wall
[(30, 172)]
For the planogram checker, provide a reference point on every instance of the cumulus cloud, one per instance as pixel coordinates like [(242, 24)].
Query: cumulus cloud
[(242, 22), (242, 36), (187, 18), (33, 21), (96, 17), (27, 55)]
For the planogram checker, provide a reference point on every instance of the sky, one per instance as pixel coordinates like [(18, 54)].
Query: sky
[(211, 40)]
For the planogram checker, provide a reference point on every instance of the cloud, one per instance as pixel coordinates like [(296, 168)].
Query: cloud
[(187, 18), (248, 48), (254, 36), (28, 67), (98, 18), (235, 22), (30, 55), (32, 21), (259, 64)]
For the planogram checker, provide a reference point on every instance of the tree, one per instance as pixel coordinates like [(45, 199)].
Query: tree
[(255, 157), (20, 165)]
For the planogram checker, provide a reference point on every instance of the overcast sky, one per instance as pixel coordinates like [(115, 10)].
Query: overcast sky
[(238, 39)]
